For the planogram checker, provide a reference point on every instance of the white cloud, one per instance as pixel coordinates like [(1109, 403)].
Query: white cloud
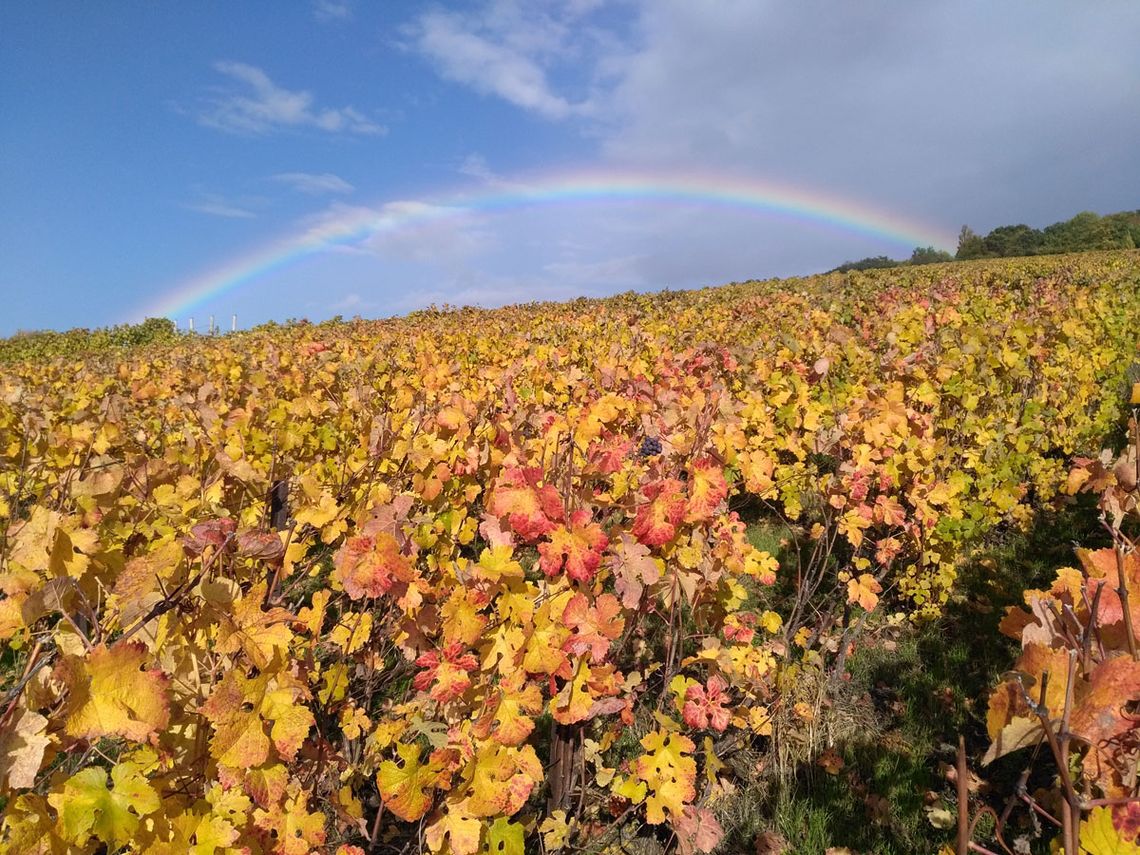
[(500, 53), (256, 105), (403, 230), (350, 301), (219, 206), (315, 184), (475, 166), (332, 11), (429, 234)]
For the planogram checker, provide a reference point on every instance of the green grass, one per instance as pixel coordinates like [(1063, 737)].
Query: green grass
[(921, 690), (768, 536)]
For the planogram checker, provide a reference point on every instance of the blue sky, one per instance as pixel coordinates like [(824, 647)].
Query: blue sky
[(148, 149)]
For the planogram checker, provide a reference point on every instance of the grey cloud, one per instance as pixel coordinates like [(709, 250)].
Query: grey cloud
[(945, 112), (969, 111)]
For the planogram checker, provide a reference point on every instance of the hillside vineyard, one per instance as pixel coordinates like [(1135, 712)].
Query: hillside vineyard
[(483, 580)]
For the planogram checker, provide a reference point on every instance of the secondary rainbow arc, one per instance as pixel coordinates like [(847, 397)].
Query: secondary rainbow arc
[(761, 197)]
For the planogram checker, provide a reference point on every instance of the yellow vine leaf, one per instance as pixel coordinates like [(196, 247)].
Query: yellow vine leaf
[(295, 831), (669, 773), (28, 828), (111, 696), (453, 827), (261, 633), (352, 631), (1100, 837), (407, 787), (241, 708), (555, 830), (503, 779), (507, 716), (22, 745)]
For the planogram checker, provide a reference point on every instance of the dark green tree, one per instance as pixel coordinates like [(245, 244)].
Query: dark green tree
[(1013, 240), (1083, 232), (874, 263), (929, 255), (969, 244)]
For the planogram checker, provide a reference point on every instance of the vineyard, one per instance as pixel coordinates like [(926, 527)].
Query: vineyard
[(560, 578)]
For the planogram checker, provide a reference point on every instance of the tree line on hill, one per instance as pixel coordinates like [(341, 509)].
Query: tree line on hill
[(45, 344), (1086, 231)]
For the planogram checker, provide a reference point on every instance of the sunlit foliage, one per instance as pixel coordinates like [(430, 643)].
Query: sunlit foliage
[(514, 599)]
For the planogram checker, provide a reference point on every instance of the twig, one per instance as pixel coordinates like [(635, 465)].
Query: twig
[(170, 602), (1122, 591), (1090, 630), (30, 670), (374, 836)]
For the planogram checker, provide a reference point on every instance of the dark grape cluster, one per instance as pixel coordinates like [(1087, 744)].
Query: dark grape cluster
[(650, 447)]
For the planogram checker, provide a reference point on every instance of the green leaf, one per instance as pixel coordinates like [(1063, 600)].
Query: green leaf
[(87, 807)]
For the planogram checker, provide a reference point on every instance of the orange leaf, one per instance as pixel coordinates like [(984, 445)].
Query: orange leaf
[(371, 565), (595, 626), (532, 508), (1099, 718), (578, 548), (1006, 701), (865, 591), (1104, 573), (447, 673), (657, 519), (707, 489)]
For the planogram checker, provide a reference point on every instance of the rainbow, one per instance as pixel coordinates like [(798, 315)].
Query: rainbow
[(744, 194)]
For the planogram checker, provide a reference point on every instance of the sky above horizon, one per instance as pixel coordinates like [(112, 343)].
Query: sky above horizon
[(309, 159)]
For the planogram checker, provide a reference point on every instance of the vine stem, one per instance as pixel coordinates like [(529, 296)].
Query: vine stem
[(963, 798), (1060, 755)]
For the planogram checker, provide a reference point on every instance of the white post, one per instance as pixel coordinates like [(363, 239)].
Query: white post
[(211, 324), (233, 323), (191, 325)]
